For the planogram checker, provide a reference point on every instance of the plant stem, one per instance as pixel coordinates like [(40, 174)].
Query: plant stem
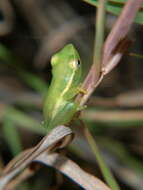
[(99, 36), (109, 178), (12, 136)]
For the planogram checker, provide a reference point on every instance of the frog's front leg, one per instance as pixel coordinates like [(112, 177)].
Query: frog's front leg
[(82, 90), (80, 108), (73, 92)]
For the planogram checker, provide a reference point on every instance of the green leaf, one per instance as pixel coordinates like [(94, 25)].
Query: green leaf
[(31, 79), (34, 81), (21, 119), (12, 137), (115, 7)]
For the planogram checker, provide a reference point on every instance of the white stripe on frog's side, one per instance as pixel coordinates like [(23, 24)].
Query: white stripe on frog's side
[(61, 99), (72, 76)]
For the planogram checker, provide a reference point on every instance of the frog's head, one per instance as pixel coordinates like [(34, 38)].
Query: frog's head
[(67, 63)]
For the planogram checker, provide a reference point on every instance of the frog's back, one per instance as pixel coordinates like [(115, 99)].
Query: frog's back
[(66, 74)]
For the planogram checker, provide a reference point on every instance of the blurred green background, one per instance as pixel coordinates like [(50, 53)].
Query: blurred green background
[(30, 33)]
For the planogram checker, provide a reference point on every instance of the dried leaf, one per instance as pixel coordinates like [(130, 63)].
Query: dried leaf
[(73, 171)]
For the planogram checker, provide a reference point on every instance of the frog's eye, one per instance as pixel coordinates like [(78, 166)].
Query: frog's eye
[(75, 64), (54, 60), (78, 62)]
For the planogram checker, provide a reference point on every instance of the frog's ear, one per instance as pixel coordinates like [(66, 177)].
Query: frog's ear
[(54, 60)]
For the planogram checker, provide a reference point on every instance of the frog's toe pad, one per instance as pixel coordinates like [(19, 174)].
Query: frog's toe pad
[(80, 108), (82, 90)]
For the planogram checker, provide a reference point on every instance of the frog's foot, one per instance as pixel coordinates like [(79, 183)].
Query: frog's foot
[(80, 108), (82, 90)]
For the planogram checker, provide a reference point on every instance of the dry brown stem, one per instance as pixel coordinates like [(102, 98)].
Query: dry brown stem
[(112, 54)]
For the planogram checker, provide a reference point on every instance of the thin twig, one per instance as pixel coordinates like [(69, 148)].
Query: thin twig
[(105, 170), (93, 77), (119, 116), (20, 178), (112, 53), (99, 37), (58, 137), (120, 29)]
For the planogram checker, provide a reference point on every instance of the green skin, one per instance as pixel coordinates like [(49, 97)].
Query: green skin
[(59, 105)]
